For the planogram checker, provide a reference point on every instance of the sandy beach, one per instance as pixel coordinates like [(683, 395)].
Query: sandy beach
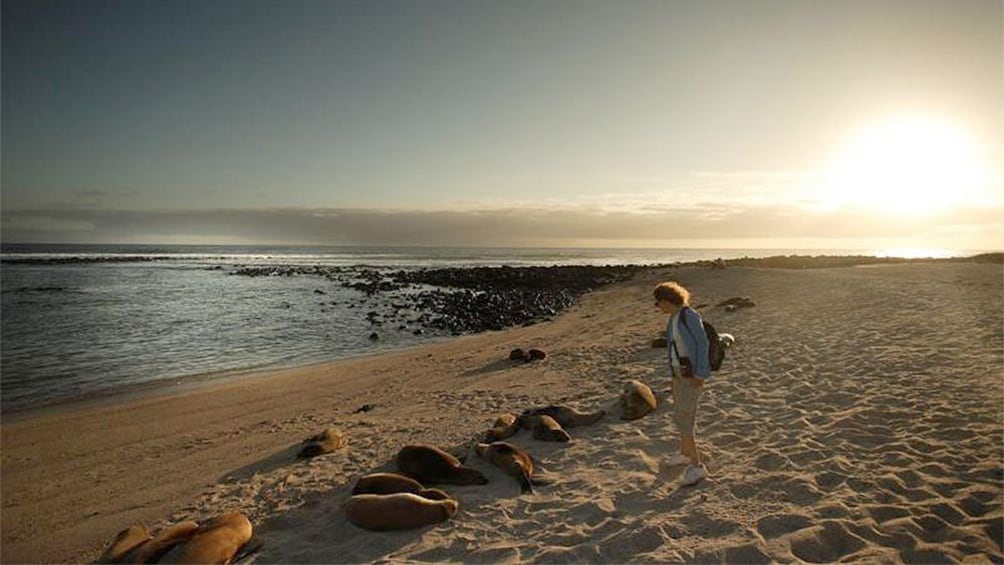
[(859, 417)]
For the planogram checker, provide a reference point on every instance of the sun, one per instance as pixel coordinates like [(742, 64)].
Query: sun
[(907, 165)]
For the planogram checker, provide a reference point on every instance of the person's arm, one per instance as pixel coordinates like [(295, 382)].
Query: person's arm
[(697, 344)]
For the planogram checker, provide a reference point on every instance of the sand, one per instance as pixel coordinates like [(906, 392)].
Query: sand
[(859, 417)]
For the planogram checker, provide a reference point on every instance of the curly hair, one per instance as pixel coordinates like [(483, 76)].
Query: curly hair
[(673, 292)]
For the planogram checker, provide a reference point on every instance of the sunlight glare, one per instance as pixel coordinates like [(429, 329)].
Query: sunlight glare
[(907, 165)]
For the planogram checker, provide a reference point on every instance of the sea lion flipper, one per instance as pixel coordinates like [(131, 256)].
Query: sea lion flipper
[(250, 548), (526, 482)]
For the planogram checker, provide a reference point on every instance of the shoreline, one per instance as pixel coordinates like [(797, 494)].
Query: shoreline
[(799, 442), (188, 383), (180, 383)]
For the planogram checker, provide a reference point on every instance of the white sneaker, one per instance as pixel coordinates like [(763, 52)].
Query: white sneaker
[(693, 475), (679, 459)]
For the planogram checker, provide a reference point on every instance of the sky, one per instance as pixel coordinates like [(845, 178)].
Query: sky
[(557, 123)]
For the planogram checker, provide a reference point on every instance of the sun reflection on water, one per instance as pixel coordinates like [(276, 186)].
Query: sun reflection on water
[(917, 253)]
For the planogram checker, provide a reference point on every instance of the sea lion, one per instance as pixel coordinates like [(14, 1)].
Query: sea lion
[(324, 442), (505, 426), (386, 483), (124, 543), (399, 511), (544, 428), (728, 340), (518, 355), (536, 355), (432, 465), (153, 550), (434, 494), (568, 417), (510, 459), (216, 541), (737, 302), (636, 401)]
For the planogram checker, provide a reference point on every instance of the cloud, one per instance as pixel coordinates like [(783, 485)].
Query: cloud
[(512, 226)]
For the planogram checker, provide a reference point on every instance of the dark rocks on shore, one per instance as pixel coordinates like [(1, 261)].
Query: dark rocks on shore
[(659, 343), (492, 298), (464, 300)]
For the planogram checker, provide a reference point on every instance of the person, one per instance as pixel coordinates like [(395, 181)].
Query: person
[(690, 367)]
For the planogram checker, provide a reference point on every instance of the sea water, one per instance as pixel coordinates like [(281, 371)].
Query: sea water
[(80, 321)]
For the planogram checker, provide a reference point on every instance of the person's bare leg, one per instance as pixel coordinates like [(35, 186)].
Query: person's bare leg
[(688, 447)]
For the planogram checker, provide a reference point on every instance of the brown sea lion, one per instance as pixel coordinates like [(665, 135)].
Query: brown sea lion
[(505, 426), (386, 483), (216, 541), (544, 428), (510, 459), (399, 511), (324, 442), (518, 355), (568, 417), (153, 550), (432, 465), (124, 543), (536, 355), (636, 401), (434, 494)]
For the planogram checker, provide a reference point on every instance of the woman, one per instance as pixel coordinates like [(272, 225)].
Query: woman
[(689, 365)]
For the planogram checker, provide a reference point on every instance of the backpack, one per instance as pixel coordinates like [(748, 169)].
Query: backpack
[(716, 343)]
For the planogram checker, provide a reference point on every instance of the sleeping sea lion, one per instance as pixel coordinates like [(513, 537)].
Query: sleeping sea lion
[(566, 416), (536, 355), (386, 483), (636, 401), (434, 494), (510, 459), (432, 465), (324, 442), (153, 550), (216, 541), (399, 511), (124, 543), (544, 428), (505, 426)]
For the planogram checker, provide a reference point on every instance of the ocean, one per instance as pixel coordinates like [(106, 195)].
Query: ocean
[(81, 321)]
